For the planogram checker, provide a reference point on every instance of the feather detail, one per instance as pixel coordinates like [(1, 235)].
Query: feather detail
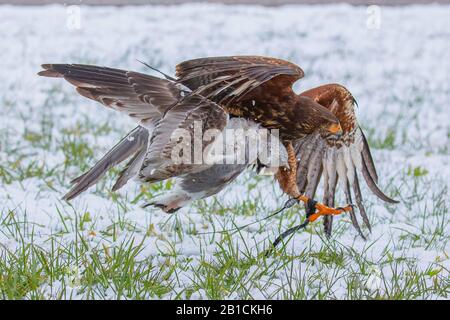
[(373, 186), (341, 161), (367, 158), (131, 144), (142, 97), (348, 197), (341, 168), (359, 202)]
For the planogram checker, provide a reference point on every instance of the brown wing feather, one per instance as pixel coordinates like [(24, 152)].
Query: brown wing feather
[(231, 81)]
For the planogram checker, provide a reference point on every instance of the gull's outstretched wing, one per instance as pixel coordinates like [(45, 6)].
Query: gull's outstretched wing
[(143, 97), (133, 143), (160, 106)]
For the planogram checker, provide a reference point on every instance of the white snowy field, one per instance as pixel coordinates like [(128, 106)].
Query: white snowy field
[(103, 245)]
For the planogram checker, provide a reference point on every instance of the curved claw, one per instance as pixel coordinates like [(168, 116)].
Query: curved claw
[(351, 205)]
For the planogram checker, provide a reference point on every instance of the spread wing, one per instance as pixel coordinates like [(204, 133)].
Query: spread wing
[(193, 116), (142, 97), (162, 106), (339, 163), (238, 79)]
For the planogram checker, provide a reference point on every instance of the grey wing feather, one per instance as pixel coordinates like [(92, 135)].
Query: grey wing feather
[(131, 169), (129, 145), (339, 162), (211, 179), (142, 97), (194, 110)]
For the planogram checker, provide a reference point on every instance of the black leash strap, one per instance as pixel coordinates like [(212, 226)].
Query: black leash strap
[(310, 209), (290, 203), (288, 232)]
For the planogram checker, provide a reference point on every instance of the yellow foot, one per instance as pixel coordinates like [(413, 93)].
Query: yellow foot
[(322, 210)]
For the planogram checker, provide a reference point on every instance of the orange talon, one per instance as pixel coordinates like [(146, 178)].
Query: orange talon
[(323, 210)]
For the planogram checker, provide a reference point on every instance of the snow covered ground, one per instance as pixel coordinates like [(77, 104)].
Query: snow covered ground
[(103, 245)]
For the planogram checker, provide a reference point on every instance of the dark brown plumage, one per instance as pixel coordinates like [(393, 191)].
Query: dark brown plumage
[(318, 128), (257, 88)]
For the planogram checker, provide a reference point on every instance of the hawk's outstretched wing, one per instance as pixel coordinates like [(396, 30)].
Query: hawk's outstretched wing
[(233, 81), (338, 162)]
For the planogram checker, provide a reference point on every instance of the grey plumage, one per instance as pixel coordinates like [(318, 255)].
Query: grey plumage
[(131, 144), (337, 162), (367, 158), (131, 169)]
